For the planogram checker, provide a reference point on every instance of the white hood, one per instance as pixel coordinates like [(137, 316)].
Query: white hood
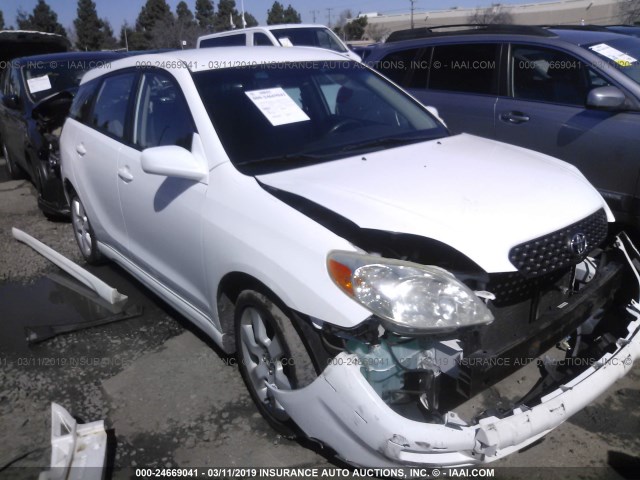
[(478, 196)]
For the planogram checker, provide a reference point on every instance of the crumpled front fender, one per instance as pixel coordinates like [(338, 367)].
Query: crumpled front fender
[(342, 410)]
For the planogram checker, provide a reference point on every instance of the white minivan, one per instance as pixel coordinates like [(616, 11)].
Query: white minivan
[(287, 35)]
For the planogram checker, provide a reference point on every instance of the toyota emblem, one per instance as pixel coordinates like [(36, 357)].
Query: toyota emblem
[(578, 243)]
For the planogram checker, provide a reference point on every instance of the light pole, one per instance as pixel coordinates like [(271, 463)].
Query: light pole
[(412, 2)]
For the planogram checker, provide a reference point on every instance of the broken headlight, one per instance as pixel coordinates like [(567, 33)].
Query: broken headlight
[(408, 297)]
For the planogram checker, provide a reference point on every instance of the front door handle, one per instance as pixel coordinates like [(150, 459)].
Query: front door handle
[(514, 117), (80, 149), (125, 174)]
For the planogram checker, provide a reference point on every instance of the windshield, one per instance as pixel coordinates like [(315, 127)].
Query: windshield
[(279, 116), (309, 37), (44, 78), (622, 53)]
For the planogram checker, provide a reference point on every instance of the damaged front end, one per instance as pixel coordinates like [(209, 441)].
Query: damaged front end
[(49, 115), (386, 398)]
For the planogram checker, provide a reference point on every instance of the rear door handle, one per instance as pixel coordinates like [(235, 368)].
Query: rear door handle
[(514, 117), (80, 149), (125, 174)]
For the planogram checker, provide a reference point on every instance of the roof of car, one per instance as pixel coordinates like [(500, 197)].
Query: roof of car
[(279, 26), (72, 56), (293, 25), (572, 35), (199, 59), (582, 37)]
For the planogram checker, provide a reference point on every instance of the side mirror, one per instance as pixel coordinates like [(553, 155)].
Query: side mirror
[(173, 161), (606, 98), (11, 101)]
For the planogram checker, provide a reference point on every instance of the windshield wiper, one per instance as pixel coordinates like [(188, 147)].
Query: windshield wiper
[(292, 160), (389, 142)]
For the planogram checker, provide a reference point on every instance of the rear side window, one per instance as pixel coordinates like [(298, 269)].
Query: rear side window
[(471, 68), (408, 68), (226, 41), (110, 110), (261, 39)]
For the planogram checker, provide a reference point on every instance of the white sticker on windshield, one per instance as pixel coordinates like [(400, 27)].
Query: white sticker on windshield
[(277, 106), (285, 42), (613, 54), (38, 84)]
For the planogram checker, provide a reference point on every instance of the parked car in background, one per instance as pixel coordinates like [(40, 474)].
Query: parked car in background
[(22, 43), (35, 96), (370, 270), (285, 35), (570, 93), (633, 30)]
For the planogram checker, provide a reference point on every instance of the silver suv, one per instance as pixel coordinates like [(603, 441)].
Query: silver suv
[(572, 94)]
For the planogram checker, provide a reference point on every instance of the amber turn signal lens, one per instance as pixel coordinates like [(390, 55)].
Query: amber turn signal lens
[(341, 274)]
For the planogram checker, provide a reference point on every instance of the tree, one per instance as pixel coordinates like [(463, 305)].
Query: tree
[(185, 16), (277, 14), (1, 20), (227, 17), (354, 30), (376, 32), (291, 15), (22, 19), (629, 11), (88, 26), (154, 12), (43, 19), (108, 40), (344, 17), (205, 14), (495, 14), (185, 28), (250, 19)]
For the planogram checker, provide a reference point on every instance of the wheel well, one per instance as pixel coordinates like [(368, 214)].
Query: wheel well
[(68, 189), (228, 290), (233, 284)]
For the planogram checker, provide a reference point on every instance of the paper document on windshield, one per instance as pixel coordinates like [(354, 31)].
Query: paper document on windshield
[(613, 54), (277, 106), (39, 84)]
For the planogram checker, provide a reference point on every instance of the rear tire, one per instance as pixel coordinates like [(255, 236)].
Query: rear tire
[(270, 350), (12, 169), (83, 232)]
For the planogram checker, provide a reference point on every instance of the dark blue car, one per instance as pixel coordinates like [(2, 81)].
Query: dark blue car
[(570, 93), (36, 94)]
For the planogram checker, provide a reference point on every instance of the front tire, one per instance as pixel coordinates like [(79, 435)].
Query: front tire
[(83, 232), (270, 351)]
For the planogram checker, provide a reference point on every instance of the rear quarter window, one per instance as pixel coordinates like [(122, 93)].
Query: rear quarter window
[(81, 106), (226, 41), (471, 68), (408, 68), (261, 39)]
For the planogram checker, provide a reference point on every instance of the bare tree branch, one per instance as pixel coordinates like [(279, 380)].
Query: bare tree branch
[(492, 15)]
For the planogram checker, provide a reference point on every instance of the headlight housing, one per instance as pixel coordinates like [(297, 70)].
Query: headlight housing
[(408, 297)]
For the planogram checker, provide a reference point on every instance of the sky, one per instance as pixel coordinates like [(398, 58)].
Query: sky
[(119, 11)]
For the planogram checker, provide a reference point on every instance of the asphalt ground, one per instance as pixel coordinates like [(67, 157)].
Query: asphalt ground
[(170, 398)]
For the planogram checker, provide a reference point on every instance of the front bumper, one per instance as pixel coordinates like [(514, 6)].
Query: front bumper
[(350, 417)]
